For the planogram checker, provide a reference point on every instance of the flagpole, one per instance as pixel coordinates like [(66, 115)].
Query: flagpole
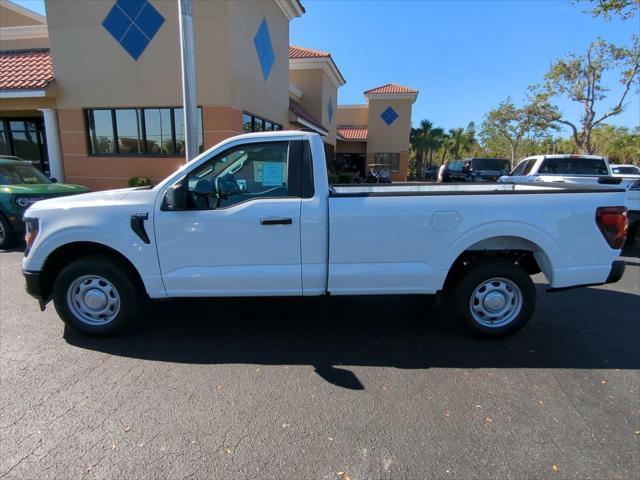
[(188, 54)]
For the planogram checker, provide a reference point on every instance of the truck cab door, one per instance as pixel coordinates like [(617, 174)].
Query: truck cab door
[(239, 231)]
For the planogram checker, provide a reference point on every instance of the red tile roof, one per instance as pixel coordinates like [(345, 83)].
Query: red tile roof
[(25, 69), (297, 109), (390, 88), (301, 52), (354, 134)]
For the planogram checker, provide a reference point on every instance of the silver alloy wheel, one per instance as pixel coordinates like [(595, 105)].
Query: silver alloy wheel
[(93, 300), (496, 302), (3, 233)]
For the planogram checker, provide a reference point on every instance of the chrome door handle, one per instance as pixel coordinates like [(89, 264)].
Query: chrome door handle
[(276, 221)]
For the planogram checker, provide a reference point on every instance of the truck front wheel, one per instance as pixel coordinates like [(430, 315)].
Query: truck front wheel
[(495, 297), (96, 296)]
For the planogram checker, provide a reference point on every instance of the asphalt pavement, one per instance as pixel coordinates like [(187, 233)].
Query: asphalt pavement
[(325, 388)]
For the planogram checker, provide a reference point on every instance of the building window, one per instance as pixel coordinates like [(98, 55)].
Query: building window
[(138, 131), (24, 138), (391, 160), (253, 123)]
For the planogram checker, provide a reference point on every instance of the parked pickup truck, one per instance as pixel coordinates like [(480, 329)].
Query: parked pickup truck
[(255, 216), (582, 170)]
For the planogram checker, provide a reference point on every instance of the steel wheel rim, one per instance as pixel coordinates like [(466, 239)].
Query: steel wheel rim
[(93, 300), (495, 302)]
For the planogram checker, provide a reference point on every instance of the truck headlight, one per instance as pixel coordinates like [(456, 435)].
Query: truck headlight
[(32, 227)]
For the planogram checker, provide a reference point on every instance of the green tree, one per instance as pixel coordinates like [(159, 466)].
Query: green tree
[(514, 124), (425, 140), (624, 9), (579, 78)]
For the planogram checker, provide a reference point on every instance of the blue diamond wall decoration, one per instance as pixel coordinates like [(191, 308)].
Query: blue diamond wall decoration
[(133, 23), (389, 116), (264, 49), (330, 109)]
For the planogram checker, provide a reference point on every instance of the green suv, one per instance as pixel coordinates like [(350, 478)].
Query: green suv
[(21, 185)]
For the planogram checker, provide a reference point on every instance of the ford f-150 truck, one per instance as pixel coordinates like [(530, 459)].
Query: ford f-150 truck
[(256, 216)]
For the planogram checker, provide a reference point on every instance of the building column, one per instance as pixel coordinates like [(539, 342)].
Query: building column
[(54, 151)]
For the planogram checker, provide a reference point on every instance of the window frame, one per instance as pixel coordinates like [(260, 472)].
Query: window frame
[(391, 154), (296, 186), (275, 126), (89, 123)]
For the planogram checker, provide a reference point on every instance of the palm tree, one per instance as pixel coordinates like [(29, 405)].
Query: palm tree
[(425, 140), (457, 142)]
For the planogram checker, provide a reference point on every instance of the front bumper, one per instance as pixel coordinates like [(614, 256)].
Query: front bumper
[(615, 274), (33, 285)]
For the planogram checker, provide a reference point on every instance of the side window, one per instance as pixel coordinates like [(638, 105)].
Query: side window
[(246, 172)]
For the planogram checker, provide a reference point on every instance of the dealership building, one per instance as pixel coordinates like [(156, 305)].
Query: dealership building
[(93, 92)]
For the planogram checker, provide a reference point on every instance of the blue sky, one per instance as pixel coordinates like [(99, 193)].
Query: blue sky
[(463, 56)]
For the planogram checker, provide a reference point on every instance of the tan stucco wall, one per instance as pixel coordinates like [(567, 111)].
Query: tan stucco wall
[(310, 82), (249, 90), (317, 88), (355, 115), (16, 104), (351, 147), (329, 93), (389, 138), (24, 44), (11, 18), (93, 70)]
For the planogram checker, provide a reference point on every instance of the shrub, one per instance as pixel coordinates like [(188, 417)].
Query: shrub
[(139, 182)]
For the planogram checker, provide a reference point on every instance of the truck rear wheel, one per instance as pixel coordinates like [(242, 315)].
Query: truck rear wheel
[(96, 296), (494, 298)]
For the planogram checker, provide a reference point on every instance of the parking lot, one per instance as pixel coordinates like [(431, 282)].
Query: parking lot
[(329, 388)]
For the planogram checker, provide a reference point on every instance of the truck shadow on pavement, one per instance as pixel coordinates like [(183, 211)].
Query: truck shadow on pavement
[(590, 328)]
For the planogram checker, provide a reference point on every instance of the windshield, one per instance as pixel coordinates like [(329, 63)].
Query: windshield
[(574, 166), (14, 174), (495, 164)]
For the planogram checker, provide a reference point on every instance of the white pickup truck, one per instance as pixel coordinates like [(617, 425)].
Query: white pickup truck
[(255, 216), (583, 170)]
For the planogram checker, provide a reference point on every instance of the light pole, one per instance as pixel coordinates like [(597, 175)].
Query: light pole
[(188, 57)]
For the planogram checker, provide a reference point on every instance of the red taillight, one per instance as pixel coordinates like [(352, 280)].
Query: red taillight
[(613, 223)]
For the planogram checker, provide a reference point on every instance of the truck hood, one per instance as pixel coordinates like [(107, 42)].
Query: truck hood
[(43, 189), (133, 196)]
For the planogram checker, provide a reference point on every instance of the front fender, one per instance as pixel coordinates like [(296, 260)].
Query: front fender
[(142, 256)]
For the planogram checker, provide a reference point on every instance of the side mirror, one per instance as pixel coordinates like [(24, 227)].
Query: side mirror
[(53, 179), (175, 198)]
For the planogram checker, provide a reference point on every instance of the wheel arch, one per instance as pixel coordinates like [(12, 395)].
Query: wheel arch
[(529, 254), (67, 253)]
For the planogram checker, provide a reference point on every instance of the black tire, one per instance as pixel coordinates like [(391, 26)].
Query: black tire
[(6, 233), (519, 303), (114, 275)]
